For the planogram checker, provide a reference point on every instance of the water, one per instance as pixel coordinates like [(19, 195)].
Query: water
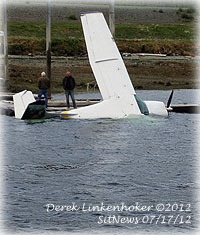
[(191, 96), (147, 161)]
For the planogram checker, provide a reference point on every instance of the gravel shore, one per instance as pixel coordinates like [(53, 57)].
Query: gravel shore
[(146, 72)]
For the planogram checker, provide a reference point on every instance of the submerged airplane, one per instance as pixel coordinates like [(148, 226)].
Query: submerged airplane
[(119, 97)]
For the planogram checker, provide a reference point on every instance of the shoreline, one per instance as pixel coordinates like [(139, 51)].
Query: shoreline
[(146, 72), (138, 29)]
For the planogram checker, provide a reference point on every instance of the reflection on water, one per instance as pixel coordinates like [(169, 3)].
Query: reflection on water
[(147, 160)]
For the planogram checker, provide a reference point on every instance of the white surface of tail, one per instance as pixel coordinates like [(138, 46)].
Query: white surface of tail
[(21, 102), (105, 59), (107, 64)]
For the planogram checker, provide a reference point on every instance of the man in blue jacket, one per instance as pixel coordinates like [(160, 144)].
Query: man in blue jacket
[(69, 85)]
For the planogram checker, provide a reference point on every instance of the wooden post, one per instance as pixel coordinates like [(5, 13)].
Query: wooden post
[(48, 44), (112, 17), (5, 40)]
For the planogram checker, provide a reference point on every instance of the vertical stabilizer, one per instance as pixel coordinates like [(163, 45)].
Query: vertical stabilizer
[(107, 64), (104, 56)]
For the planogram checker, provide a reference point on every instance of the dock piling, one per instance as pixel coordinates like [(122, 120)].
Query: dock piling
[(48, 44)]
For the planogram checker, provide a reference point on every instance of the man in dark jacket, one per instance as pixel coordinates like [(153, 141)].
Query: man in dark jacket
[(43, 85), (69, 85)]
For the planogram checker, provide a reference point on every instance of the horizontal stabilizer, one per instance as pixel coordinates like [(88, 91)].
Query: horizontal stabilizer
[(21, 102), (26, 107)]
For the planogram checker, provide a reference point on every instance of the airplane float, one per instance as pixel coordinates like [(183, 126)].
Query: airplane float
[(119, 97)]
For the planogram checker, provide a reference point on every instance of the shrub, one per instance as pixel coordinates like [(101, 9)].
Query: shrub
[(190, 11), (72, 17), (17, 49), (187, 17), (69, 47), (22, 46)]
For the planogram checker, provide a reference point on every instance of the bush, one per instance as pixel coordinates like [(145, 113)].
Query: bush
[(69, 47), (17, 49), (72, 17), (187, 17), (23, 46), (76, 47), (160, 46), (190, 11)]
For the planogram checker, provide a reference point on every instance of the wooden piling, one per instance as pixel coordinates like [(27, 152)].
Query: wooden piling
[(5, 40), (48, 44), (112, 17)]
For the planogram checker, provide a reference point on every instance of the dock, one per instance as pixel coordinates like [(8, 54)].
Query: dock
[(185, 108), (54, 105), (7, 104)]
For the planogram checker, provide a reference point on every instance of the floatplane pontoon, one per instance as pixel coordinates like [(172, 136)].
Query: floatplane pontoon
[(119, 97)]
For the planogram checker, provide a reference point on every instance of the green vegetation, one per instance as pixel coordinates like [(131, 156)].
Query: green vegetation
[(177, 38), (24, 45), (72, 17), (67, 38), (175, 47), (155, 31), (76, 47), (38, 29), (187, 15), (125, 31), (68, 46)]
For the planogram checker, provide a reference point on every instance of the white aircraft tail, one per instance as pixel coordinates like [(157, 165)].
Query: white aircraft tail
[(21, 102), (105, 59), (26, 107)]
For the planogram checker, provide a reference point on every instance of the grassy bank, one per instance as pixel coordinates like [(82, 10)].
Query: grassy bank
[(67, 38), (123, 31), (138, 30)]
